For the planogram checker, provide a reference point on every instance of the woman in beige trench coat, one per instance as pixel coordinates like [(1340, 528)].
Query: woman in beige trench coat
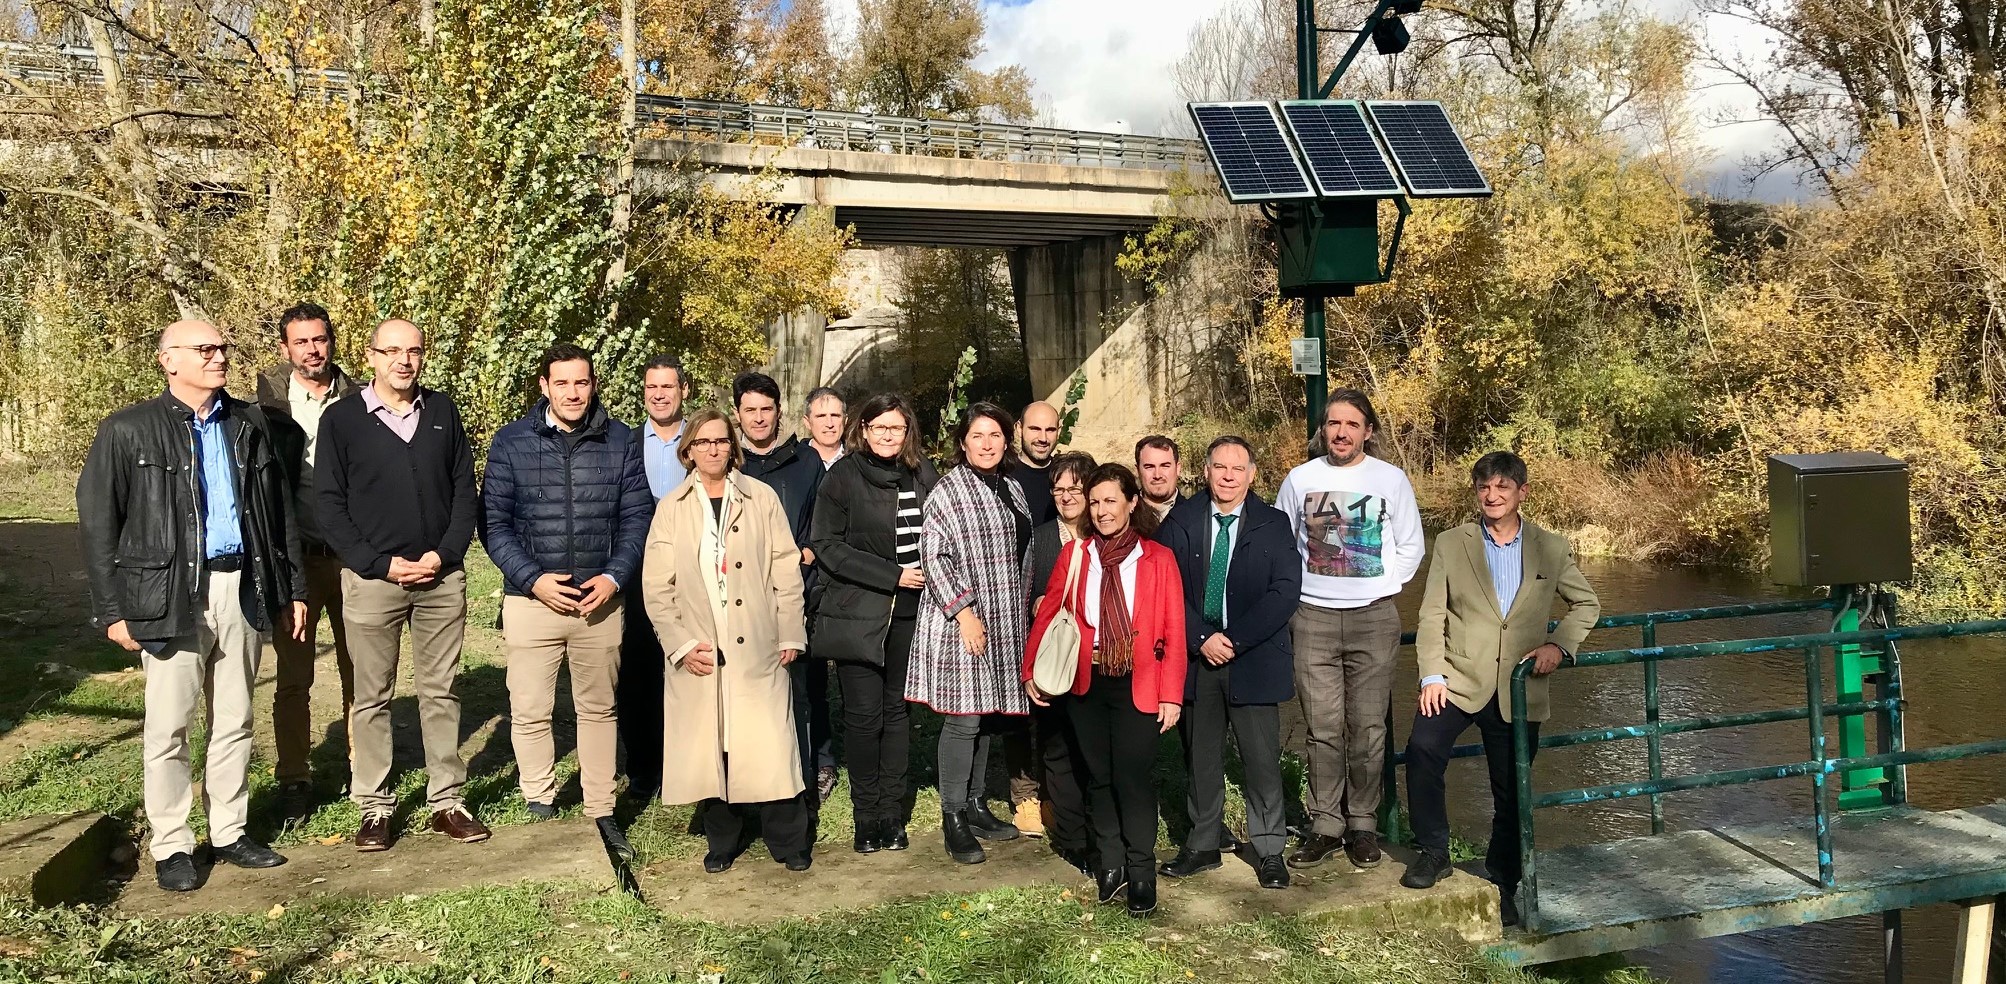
[(723, 586)]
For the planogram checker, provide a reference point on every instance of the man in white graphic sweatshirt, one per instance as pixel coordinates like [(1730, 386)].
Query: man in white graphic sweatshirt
[(1359, 531)]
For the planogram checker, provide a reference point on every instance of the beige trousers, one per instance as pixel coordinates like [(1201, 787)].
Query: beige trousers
[(376, 613), (219, 661), (539, 641), (292, 709)]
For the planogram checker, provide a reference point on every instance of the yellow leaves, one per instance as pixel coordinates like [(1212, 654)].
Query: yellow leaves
[(277, 911)]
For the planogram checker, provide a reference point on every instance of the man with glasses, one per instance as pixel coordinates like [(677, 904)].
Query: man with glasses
[(395, 479), (294, 394), (188, 539)]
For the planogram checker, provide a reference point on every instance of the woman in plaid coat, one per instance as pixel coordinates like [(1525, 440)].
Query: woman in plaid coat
[(968, 643)]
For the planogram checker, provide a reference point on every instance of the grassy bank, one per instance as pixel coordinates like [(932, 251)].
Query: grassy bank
[(534, 933)]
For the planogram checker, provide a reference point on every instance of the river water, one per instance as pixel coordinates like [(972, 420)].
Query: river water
[(1954, 691)]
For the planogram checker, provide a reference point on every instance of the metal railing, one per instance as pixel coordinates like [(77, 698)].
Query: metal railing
[(733, 122), (787, 126), (1819, 767), (1647, 625)]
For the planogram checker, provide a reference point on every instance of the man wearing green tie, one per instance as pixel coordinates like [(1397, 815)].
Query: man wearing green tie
[(1242, 583)]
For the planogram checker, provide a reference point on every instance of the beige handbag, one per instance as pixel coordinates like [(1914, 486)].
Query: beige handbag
[(1057, 664)]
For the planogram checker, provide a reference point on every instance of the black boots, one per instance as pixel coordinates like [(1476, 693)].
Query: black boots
[(869, 838), (1109, 883), (961, 843), (989, 826)]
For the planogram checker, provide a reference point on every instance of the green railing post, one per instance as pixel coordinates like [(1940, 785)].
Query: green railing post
[(1521, 756), (1814, 692), (1649, 637), (1857, 789), (1889, 688)]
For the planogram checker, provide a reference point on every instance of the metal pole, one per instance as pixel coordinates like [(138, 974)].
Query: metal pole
[(1306, 88), (1521, 753), (1652, 738), (1814, 686)]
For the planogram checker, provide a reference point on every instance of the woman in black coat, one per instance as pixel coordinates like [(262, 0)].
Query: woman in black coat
[(866, 540)]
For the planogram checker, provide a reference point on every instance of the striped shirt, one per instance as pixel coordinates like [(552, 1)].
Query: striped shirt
[(1507, 564), (908, 528)]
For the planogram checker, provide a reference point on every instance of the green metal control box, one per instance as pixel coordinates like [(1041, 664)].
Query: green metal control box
[(1838, 518), (1328, 247)]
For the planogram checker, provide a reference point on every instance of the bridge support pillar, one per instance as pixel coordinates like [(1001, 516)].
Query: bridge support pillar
[(1074, 310), (796, 339)]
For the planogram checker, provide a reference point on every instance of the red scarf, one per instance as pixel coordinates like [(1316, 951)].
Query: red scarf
[(1114, 646)]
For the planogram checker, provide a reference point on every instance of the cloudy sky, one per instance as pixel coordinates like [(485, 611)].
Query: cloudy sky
[(1105, 64)]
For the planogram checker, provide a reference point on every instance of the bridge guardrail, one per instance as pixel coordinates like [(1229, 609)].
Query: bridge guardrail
[(734, 122)]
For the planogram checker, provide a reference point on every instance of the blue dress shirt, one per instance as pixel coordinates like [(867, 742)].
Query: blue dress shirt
[(665, 471), (222, 529)]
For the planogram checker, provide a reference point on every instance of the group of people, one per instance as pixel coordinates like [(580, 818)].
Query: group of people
[(702, 576)]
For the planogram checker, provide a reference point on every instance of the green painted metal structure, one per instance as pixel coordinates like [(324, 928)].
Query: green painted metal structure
[(1872, 854)]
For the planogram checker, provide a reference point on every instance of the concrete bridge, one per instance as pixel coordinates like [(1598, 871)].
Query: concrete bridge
[(1059, 201)]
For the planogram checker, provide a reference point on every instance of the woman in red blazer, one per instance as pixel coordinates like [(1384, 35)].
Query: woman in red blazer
[(1129, 602)]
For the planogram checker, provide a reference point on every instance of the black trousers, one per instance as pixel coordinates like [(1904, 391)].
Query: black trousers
[(810, 678), (1427, 798), (1118, 745), (785, 825), (1059, 755), (1257, 731), (877, 732), (637, 699)]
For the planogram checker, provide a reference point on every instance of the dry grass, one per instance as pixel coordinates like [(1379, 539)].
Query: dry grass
[(1644, 513)]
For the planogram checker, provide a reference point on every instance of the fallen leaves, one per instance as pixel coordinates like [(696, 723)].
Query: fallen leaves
[(277, 911)]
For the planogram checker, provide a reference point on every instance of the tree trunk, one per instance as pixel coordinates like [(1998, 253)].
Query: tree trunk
[(132, 166), (622, 223)]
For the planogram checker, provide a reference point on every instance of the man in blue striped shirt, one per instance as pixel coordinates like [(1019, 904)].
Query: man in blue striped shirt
[(1492, 586)]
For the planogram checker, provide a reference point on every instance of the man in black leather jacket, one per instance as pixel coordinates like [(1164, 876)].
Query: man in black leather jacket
[(188, 540)]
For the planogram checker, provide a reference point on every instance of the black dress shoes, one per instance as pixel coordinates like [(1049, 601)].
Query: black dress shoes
[(961, 843), (247, 853), (868, 837), (892, 836), (1109, 882), (1427, 869), (1315, 850), (1272, 872), (1188, 863), (176, 872), (715, 863), (989, 826), (1142, 895)]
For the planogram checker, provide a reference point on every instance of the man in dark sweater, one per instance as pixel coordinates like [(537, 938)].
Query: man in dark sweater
[(794, 470), (394, 477)]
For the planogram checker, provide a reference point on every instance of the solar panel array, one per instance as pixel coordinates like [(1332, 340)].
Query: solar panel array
[(1373, 149), (1343, 158), (1431, 157), (1251, 153)]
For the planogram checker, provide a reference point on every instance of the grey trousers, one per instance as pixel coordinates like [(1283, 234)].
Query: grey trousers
[(963, 758), (1257, 730), (376, 613), (1344, 681)]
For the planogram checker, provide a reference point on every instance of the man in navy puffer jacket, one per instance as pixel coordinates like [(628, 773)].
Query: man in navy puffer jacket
[(566, 521)]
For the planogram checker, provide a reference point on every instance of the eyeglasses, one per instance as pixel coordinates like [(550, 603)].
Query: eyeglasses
[(885, 430), (415, 351), (1068, 490), (710, 444), (207, 352)]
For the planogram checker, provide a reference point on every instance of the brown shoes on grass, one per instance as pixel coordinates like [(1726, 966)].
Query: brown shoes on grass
[(375, 835)]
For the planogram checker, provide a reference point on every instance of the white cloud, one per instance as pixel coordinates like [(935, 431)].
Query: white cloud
[(1098, 64)]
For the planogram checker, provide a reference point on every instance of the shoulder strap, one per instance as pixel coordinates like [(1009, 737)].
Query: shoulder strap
[(1073, 573)]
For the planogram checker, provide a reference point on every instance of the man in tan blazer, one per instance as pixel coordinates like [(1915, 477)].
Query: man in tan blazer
[(1491, 591)]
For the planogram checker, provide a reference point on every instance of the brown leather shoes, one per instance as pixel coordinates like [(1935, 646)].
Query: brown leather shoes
[(1362, 847), (460, 825), (374, 834)]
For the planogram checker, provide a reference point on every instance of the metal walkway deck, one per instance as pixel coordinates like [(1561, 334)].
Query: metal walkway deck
[(1647, 891)]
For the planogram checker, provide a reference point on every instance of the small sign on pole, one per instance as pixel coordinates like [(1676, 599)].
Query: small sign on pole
[(1306, 356)]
